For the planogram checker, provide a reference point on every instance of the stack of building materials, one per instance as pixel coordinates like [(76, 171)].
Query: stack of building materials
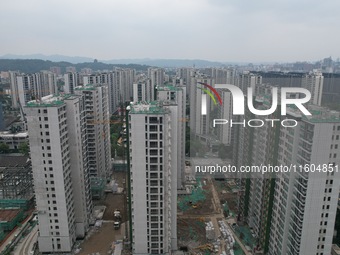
[(210, 230)]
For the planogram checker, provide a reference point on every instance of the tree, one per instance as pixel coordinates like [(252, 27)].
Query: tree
[(24, 148), (4, 148)]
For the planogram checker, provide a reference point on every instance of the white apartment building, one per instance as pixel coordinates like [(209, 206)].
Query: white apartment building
[(247, 80), (153, 166), (157, 76), (221, 75), (225, 112), (199, 123), (72, 80), (143, 91), (123, 86), (120, 85), (305, 203), (98, 128), (186, 73), (174, 98), (314, 83), (26, 87), (56, 126)]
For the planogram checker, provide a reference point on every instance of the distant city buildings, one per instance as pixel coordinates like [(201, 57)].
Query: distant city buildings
[(27, 87), (314, 83), (247, 80), (71, 69), (157, 76), (143, 91), (56, 70), (71, 80), (2, 119), (199, 123), (97, 117), (119, 82)]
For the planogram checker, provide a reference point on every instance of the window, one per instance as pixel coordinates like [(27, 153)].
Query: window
[(153, 136)]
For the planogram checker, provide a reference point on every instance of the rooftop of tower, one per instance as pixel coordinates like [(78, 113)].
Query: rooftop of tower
[(168, 87), (153, 107), (319, 114), (50, 100), (86, 87)]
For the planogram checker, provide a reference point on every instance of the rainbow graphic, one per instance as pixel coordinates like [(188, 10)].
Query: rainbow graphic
[(209, 92)]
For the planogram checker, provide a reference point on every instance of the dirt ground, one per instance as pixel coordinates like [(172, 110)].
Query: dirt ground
[(101, 240), (191, 232), (115, 201), (203, 207), (225, 194)]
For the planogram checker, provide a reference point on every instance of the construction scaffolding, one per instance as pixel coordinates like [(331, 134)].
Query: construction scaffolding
[(23, 204), (2, 234), (9, 218), (120, 165), (97, 187), (16, 180)]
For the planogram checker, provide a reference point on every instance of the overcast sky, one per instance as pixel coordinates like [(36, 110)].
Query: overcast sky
[(221, 30)]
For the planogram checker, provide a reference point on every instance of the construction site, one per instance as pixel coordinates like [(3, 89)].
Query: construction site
[(206, 222), (16, 193), (103, 237)]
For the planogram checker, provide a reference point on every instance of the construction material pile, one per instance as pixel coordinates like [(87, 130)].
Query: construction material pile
[(228, 237), (210, 230)]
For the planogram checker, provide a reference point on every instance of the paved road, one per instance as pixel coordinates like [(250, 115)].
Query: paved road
[(15, 232), (26, 244)]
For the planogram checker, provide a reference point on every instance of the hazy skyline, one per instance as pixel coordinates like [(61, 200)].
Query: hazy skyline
[(216, 30)]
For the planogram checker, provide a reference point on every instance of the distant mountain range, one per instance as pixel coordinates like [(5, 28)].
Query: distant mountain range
[(146, 61), (36, 65), (54, 58), (199, 63)]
